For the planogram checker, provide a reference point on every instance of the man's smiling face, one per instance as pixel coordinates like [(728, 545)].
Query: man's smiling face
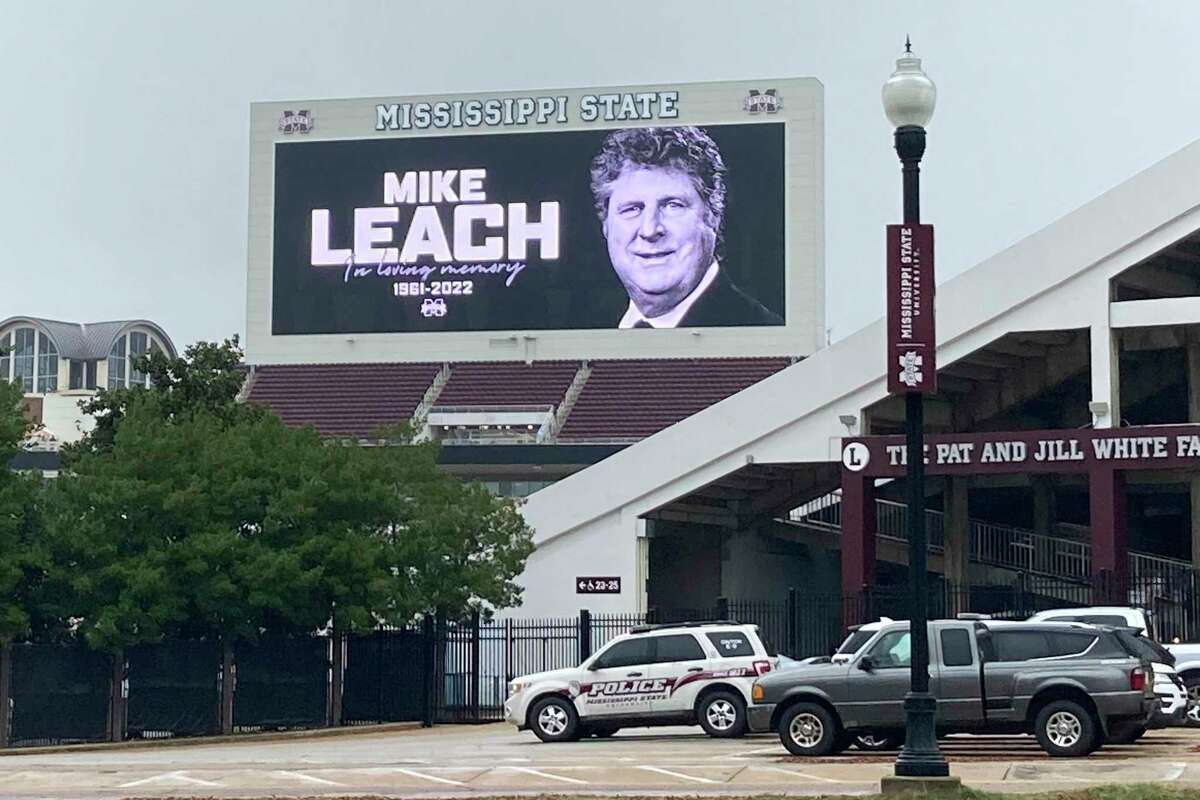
[(659, 237)]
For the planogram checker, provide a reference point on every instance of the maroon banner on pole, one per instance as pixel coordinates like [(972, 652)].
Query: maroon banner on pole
[(911, 347)]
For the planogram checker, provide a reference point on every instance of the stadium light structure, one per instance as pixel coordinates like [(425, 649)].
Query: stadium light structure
[(908, 100)]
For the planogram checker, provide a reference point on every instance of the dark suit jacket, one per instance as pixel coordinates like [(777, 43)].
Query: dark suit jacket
[(723, 304)]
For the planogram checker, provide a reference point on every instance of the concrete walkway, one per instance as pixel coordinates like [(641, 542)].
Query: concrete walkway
[(495, 759)]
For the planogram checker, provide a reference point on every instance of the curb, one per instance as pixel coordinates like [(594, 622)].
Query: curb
[(192, 741)]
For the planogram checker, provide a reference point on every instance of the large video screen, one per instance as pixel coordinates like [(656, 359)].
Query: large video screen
[(663, 227)]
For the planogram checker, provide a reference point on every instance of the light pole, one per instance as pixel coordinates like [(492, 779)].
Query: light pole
[(908, 100)]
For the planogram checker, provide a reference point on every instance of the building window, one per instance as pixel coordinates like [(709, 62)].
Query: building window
[(5, 357), (47, 371), (514, 488), (24, 343), (116, 364), (30, 358), (83, 374), (125, 351), (138, 345)]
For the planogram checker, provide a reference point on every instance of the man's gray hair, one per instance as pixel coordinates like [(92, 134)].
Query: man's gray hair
[(688, 149)]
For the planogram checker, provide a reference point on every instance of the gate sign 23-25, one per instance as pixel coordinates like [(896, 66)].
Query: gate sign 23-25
[(608, 585)]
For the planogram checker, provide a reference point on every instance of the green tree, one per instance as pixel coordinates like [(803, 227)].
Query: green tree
[(208, 377), (186, 513), (22, 559), (21, 554)]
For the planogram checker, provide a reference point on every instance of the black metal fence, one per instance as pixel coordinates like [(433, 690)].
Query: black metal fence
[(59, 694), (171, 689), (445, 671)]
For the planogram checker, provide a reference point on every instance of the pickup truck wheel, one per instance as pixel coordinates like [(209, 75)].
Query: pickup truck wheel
[(722, 714), (807, 729), (554, 719), (1065, 728)]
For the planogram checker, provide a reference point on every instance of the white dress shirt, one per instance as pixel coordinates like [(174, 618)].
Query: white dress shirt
[(672, 318)]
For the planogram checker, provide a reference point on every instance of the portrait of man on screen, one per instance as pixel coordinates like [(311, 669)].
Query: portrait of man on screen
[(660, 195)]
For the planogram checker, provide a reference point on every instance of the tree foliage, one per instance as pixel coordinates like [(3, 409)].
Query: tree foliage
[(207, 377), (21, 555), (189, 514)]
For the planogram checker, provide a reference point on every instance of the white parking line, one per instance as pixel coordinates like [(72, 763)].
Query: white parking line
[(662, 771), (12, 776), (1176, 772), (309, 778), (795, 774), (414, 774), (759, 751), (165, 777), (540, 774)]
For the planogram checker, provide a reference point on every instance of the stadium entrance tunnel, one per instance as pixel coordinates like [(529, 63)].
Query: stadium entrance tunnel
[(728, 539)]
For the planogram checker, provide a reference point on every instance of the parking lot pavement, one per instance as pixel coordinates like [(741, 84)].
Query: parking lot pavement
[(495, 759)]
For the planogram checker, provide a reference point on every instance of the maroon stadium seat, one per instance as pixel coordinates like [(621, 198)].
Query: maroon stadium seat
[(498, 383), (630, 400), (342, 399)]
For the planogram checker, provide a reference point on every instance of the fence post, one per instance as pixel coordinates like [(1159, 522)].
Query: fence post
[(337, 672), (508, 653), (228, 686), (5, 690), (1022, 600), (474, 677), (791, 622), (428, 666), (585, 635), (116, 698), (722, 608)]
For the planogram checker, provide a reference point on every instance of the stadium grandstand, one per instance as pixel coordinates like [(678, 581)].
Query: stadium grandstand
[(576, 411)]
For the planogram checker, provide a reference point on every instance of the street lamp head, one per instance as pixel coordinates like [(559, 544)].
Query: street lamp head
[(909, 95)]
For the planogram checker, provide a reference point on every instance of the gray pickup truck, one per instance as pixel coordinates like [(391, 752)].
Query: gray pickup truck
[(1071, 685)]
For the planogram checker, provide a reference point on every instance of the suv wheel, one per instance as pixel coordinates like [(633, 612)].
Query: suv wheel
[(807, 729), (722, 714), (554, 719), (1192, 682), (1065, 728)]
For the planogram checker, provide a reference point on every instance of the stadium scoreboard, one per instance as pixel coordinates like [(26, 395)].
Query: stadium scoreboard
[(656, 221)]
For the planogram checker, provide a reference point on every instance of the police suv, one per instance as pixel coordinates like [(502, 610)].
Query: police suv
[(654, 675)]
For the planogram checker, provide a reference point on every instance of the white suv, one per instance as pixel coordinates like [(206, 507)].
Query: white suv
[(654, 675)]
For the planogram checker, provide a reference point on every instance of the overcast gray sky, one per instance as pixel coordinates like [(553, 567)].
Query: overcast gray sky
[(125, 124)]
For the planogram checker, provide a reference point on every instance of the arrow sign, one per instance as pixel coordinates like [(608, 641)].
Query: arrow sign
[(598, 585)]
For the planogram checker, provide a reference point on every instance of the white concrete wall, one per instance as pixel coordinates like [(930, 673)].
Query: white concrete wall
[(62, 417), (607, 548)]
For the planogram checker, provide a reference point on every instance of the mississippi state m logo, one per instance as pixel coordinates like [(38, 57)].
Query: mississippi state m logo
[(296, 121), (767, 102)]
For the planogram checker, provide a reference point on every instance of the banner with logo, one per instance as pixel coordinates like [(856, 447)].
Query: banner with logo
[(911, 344)]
